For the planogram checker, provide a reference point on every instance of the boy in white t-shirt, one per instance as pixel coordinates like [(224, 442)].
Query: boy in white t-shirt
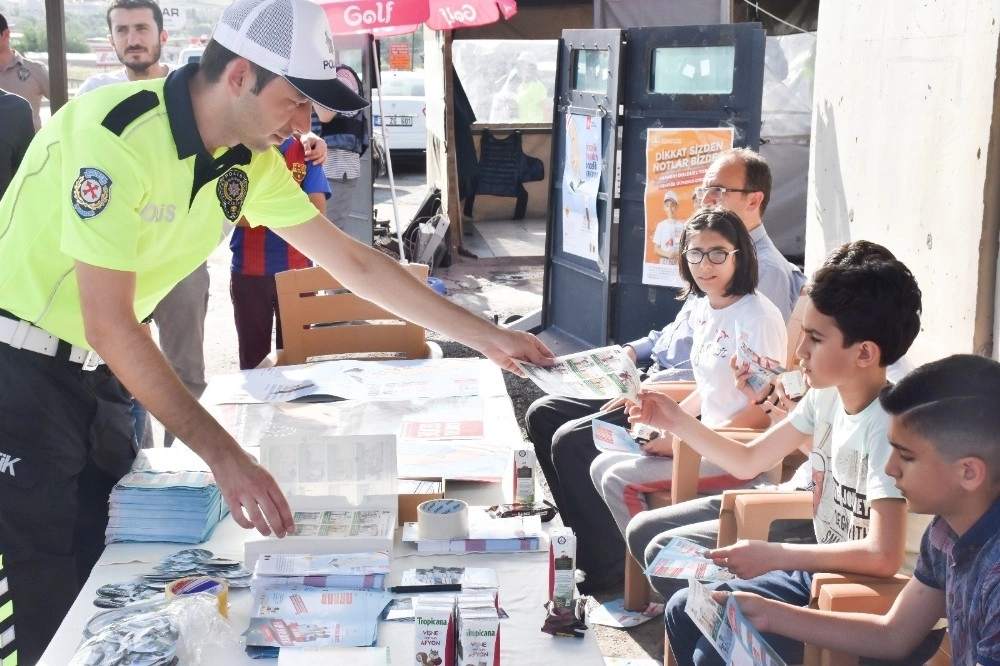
[(858, 320)]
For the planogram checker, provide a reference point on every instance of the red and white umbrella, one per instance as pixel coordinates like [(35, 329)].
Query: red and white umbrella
[(385, 18)]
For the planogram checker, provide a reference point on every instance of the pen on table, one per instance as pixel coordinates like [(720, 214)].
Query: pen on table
[(443, 587)]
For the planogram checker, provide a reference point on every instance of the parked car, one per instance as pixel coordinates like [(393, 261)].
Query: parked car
[(189, 55), (405, 110)]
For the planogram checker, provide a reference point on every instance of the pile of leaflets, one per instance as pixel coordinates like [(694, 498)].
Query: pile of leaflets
[(356, 571), (180, 507)]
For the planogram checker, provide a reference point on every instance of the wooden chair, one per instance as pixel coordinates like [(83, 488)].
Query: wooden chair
[(687, 463), (319, 317)]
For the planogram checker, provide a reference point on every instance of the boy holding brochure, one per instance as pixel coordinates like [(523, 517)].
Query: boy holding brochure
[(943, 426), (859, 319)]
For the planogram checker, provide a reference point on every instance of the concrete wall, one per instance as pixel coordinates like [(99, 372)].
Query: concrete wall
[(904, 153)]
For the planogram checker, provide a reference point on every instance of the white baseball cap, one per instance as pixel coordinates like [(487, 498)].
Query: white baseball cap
[(290, 38)]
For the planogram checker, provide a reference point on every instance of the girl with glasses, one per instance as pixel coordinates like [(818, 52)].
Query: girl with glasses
[(719, 264)]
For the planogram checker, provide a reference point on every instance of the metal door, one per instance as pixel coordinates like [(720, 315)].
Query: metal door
[(664, 86), (576, 293)]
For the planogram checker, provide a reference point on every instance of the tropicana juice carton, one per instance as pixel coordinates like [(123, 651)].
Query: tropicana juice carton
[(478, 641), (434, 638)]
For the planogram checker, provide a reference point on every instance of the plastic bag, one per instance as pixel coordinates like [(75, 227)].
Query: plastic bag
[(154, 633)]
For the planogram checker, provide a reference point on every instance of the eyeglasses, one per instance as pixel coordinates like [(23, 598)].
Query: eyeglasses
[(716, 191), (714, 256)]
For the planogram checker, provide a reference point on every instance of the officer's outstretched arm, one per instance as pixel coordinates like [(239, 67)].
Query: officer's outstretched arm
[(112, 330)]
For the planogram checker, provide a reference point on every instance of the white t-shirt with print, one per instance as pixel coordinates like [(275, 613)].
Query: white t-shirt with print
[(714, 342), (848, 463)]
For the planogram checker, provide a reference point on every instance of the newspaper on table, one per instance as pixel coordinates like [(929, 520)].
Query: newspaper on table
[(346, 380), (763, 368), (728, 630), (683, 558), (604, 373)]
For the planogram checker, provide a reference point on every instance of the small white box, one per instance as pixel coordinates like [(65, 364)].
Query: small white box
[(562, 566)]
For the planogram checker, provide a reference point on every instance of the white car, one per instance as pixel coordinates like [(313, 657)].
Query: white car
[(189, 55), (405, 111)]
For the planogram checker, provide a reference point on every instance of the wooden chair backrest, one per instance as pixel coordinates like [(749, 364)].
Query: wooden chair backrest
[(319, 317)]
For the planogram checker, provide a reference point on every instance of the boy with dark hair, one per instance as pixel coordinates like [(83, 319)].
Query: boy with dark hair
[(858, 320), (943, 426)]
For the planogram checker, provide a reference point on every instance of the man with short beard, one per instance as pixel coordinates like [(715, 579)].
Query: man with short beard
[(138, 36)]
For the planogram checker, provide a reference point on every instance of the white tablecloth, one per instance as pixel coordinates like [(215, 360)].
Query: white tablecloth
[(523, 590), (523, 576)]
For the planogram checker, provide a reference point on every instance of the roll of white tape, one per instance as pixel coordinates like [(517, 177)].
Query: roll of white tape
[(443, 519)]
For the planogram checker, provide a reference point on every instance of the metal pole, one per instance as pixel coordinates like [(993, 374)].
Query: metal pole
[(55, 29)]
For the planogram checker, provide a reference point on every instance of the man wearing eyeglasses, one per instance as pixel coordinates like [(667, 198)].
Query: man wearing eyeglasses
[(560, 428), (740, 180)]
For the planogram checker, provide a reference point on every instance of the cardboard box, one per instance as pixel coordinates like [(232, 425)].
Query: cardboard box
[(412, 493)]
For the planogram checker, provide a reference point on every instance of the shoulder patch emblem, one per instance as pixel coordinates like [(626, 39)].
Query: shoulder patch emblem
[(232, 191), (91, 192), (23, 73)]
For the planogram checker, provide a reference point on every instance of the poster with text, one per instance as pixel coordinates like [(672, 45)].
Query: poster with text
[(676, 162), (581, 180)]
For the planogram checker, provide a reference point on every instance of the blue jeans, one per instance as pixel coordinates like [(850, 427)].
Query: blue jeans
[(690, 647)]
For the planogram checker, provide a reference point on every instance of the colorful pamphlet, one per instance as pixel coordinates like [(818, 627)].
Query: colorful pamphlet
[(612, 438), (728, 630), (302, 616), (682, 558), (604, 373)]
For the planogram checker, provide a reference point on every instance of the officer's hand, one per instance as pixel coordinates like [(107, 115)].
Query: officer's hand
[(503, 345), (253, 495)]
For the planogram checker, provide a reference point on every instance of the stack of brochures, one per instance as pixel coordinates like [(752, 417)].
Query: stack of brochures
[(486, 534), (356, 571), (178, 507)]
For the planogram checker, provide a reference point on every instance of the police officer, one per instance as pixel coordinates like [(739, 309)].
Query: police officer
[(120, 196)]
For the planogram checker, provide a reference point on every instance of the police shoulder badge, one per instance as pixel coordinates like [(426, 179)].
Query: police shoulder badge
[(91, 192), (232, 191)]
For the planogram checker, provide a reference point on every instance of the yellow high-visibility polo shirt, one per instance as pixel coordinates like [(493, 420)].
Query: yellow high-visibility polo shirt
[(121, 179)]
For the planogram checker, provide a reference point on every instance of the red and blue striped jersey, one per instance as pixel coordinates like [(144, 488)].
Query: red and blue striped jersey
[(260, 251)]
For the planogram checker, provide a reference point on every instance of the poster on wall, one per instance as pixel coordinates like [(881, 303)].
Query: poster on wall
[(581, 180), (676, 162)]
